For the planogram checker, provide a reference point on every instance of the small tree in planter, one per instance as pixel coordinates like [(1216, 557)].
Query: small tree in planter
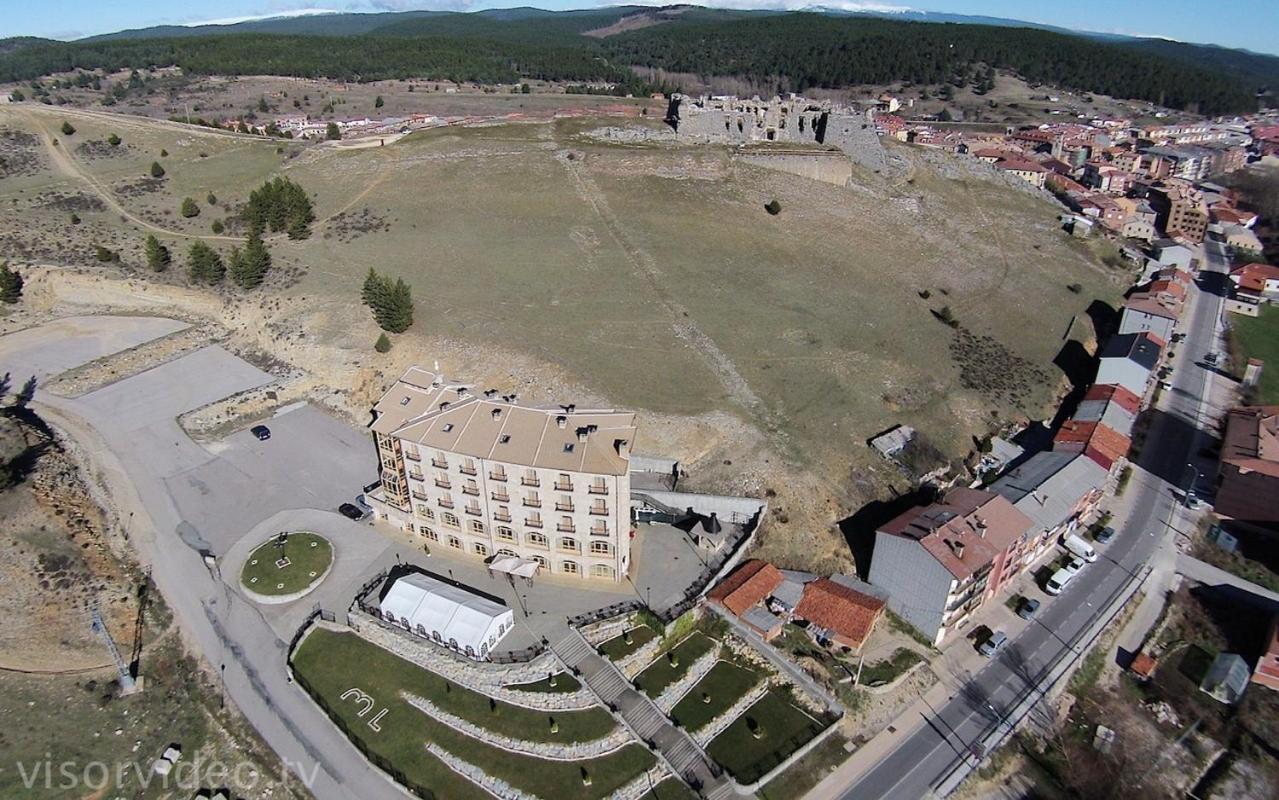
[(706, 697), (555, 726), (755, 728), (672, 659), (586, 777)]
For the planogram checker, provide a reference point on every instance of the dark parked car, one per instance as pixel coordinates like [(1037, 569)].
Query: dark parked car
[(1027, 607), (1105, 535), (351, 512), (261, 431)]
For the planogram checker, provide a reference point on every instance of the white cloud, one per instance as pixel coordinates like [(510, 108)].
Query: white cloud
[(297, 12), (782, 5)]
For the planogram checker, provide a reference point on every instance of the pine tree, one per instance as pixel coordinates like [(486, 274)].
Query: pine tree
[(158, 257), (190, 208), (157, 171), (68, 129), (332, 132), (396, 313), (204, 265), (374, 290), (383, 344), (10, 284), (250, 266), (113, 140)]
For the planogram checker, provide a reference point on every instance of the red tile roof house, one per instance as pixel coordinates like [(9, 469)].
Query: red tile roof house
[(846, 615), (746, 586), (1248, 475), (1267, 671), (1099, 442), (940, 563), (1256, 282)]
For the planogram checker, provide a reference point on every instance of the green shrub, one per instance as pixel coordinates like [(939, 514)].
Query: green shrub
[(190, 208), (383, 344), (67, 129), (157, 171), (773, 207)]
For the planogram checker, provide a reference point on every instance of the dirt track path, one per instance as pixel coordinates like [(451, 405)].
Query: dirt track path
[(66, 164)]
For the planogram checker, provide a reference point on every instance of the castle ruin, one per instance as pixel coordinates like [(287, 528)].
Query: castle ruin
[(795, 119)]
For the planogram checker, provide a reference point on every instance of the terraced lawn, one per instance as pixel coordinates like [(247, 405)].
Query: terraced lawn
[(670, 789), (782, 730), (617, 648), (330, 664), (564, 683), (663, 672), (714, 694)]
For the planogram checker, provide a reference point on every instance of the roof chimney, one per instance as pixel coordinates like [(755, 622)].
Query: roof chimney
[(958, 547), (444, 405), (582, 432), (490, 393), (981, 527), (561, 421), (497, 413), (619, 445), (711, 524)]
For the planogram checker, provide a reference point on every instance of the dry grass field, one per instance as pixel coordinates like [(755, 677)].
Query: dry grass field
[(763, 350)]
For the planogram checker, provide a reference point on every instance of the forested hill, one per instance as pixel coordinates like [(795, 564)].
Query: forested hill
[(791, 51)]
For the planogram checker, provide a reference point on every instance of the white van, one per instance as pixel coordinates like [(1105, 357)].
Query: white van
[(1058, 581), (1077, 546)]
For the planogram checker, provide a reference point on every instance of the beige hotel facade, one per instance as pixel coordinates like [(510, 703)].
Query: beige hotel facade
[(484, 475)]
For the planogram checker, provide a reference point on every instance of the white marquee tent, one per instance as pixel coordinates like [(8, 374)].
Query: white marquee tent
[(447, 614)]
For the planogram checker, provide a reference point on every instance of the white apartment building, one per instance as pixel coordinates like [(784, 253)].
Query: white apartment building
[(484, 475)]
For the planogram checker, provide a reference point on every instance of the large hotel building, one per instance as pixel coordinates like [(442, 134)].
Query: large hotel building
[(483, 474)]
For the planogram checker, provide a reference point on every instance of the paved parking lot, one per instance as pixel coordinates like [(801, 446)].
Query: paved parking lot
[(71, 342)]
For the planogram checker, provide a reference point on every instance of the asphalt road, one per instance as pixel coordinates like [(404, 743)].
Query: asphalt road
[(914, 768)]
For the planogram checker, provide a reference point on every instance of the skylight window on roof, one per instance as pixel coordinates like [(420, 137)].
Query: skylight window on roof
[(504, 438), (448, 426), (404, 401), (568, 447)]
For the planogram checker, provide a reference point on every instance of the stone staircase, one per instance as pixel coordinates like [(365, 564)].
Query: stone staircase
[(641, 715)]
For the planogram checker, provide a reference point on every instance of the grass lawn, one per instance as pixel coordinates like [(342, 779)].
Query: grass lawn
[(309, 555), (663, 673), (564, 683), (331, 663), (1258, 337), (617, 648), (885, 671), (784, 729), (725, 684), (803, 775), (670, 789)]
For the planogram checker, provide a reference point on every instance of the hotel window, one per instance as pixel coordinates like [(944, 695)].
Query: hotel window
[(477, 526), (568, 544), (569, 567), (468, 466), (598, 486), (430, 534), (450, 519), (534, 520), (601, 549), (542, 562), (505, 534), (564, 482), (428, 513), (455, 542), (601, 571), (481, 550), (423, 511), (530, 478), (535, 538)]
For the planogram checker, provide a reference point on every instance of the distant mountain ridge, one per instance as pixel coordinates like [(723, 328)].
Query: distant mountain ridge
[(792, 51)]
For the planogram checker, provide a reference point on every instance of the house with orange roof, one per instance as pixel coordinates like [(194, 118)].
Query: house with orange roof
[(843, 614), (1255, 283), (1267, 671), (746, 586), (1098, 441)]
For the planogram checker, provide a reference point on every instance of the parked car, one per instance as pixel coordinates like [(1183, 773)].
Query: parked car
[(1027, 608), (1076, 546), (1105, 535), (352, 512), (261, 431), (1057, 582), (992, 644), (1074, 564)]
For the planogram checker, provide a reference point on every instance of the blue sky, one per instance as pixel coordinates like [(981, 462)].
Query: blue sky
[(1252, 24)]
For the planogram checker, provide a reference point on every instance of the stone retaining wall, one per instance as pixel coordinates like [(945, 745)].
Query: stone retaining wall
[(636, 662), (696, 671), (638, 787), (618, 738), (486, 678), (597, 633), (707, 733)]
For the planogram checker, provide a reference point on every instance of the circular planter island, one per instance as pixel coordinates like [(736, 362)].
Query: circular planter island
[(286, 567)]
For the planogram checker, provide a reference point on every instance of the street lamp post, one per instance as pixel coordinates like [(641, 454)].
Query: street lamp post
[(1190, 487)]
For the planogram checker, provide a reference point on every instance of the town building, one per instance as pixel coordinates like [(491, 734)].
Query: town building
[(1056, 491), (1267, 671), (1248, 474), (1128, 359), (1178, 212), (1113, 406), (1155, 308), (1095, 440), (941, 562), (1255, 283), (486, 475), (748, 585)]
